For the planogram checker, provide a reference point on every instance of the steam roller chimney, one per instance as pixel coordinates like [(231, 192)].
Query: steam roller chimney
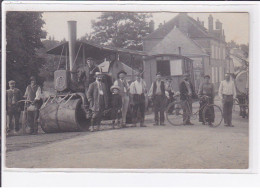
[(72, 27)]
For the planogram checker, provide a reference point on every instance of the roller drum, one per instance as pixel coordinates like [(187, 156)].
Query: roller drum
[(66, 116)]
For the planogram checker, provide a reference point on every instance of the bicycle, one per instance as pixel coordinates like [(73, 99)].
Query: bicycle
[(175, 114), (241, 105)]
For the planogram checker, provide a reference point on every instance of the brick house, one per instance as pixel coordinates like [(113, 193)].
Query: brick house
[(206, 47)]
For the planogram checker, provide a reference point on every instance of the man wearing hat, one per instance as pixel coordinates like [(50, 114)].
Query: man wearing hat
[(33, 94), (227, 93), (98, 100), (13, 95), (138, 91), (116, 102), (157, 93), (206, 89), (186, 94), (124, 92), (87, 72)]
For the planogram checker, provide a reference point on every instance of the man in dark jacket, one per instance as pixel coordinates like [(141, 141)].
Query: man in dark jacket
[(157, 93), (97, 96), (186, 95), (13, 95)]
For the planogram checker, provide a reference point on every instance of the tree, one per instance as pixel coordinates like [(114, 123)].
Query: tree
[(122, 29), (23, 34)]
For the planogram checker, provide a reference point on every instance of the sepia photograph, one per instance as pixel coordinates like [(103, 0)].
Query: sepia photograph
[(126, 90)]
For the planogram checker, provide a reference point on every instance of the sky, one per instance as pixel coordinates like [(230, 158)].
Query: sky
[(236, 25)]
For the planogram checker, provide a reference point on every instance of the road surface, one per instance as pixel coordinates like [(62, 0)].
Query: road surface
[(156, 147)]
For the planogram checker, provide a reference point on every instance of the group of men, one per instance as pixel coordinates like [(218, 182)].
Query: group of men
[(123, 95), (14, 101)]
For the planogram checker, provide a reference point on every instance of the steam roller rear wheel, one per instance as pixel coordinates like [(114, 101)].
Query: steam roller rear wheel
[(67, 116)]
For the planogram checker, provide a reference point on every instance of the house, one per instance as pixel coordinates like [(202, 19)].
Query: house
[(205, 47)]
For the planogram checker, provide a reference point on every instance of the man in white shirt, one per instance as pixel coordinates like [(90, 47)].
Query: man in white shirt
[(137, 92), (227, 93)]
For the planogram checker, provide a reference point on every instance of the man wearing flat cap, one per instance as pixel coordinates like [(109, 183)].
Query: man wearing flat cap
[(206, 89), (186, 94), (157, 94), (33, 94), (13, 95), (98, 100)]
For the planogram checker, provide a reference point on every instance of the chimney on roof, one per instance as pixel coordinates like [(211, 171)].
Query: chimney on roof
[(210, 22), (183, 23), (151, 26), (218, 25), (179, 50), (202, 23)]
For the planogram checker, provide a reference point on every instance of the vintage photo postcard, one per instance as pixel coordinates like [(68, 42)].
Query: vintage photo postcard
[(126, 89)]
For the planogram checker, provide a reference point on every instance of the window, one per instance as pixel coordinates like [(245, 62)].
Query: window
[(176, 67), (212, 51), (164, 68)]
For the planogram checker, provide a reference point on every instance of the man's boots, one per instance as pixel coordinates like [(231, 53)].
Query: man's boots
[(142, 123), (134, 122)]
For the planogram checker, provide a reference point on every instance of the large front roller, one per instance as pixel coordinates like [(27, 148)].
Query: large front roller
[(63, 116)]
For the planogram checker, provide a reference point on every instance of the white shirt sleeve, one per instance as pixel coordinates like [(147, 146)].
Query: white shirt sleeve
[(116, 83), (234, 90), (220, 90), (132, 88), (38, 94), (150, 93)]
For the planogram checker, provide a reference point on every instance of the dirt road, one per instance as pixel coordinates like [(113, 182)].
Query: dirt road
[(191, 147)]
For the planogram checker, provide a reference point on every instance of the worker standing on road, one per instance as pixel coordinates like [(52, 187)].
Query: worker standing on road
[(157, 93), (33, 94), (116, 102), (13, 95), (206, 89), (124, 92), (186, 95), (98, 100), (138, 91), (227, 93)]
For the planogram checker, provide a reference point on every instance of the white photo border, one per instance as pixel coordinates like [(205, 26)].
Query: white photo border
[(253, 8)]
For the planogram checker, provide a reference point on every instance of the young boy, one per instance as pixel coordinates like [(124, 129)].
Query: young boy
[(116, 104)]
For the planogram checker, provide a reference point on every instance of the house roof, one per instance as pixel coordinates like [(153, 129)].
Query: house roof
[(175, 39), (161, 32)]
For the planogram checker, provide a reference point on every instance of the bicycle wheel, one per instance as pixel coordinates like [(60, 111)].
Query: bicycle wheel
[(174, 113), (212, 114)]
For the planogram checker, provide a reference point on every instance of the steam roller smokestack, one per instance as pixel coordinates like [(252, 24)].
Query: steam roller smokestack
[(72, 27)]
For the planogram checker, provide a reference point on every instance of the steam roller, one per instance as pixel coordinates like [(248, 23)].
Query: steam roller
[(64, 112)]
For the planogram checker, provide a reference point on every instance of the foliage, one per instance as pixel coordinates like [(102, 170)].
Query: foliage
[(121, 29), (23, 34)]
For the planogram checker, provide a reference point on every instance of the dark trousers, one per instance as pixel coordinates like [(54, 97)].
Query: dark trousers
[(32, 117), (187, 109), (16, 116), (159, 107), (97, 115), (227, 108), (139, 105)]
